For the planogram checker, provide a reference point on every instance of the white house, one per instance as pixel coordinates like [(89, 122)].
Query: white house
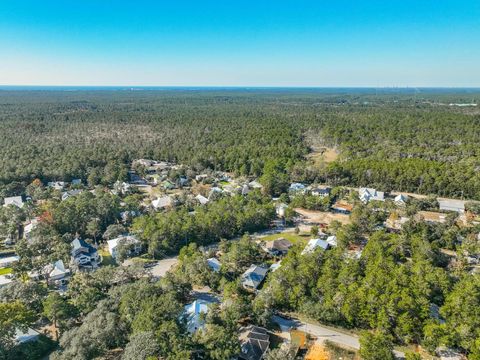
[(369, 194), (202, 199), (128, 240), (315, 243), (27, 229), (401, 199), (162, 202), (452, 205), (57, 185), (13, 200), (8, 261), (332, 240), (255, 185), (214, 264), (70, 193), (192, 314), (280, 209), (59, 271)]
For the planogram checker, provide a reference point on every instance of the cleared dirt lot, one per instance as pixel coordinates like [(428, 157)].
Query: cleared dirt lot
[(321, 217)]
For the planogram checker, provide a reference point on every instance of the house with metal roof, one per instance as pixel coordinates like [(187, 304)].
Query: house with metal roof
[(253, 277)]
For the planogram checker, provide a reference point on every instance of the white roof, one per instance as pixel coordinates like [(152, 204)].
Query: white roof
[(202, 199), (4, 280), (162, 202), (8, 260), (192, 313), (214, 264), (59, 270), (451, 205), (13, 200), (112, 244), (367, 194), (332, 240), (401, 198), (313, 244), (23, 337), (275, 266)]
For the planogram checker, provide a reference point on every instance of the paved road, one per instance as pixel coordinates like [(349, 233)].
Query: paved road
[(323, 333)]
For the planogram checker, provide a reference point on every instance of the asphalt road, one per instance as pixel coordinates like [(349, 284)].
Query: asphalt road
[(323, 333)]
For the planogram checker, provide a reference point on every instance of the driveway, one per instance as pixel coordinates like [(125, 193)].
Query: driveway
[(163, 266), (323, 333)]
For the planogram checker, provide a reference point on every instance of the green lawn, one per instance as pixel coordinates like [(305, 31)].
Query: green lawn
[(290, 236), (4, 271), (107, 258)]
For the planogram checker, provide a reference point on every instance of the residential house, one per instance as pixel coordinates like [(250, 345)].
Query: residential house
[(255, 185), (452, 205), (84, 255), (253, 277), (122, 188), (401, 200), (135, 246), (254, 342), (322, 191), (8, 261), (5, 280), (314, 244), (163, 202), (29, 335), (214, 264), (194, 313), (278, 246), (332, 240), (215, 192), (27, 229), (13, 200), (368, 194), (77, 182), (58, 271), (280, 209), (201, 177), (275, 266), (342, 207), (57, 185), (297, 188), (202, 199), (70, 193)]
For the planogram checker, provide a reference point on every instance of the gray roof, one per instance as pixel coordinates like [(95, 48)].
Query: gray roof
[(254, 342), (451, 205), (254, 276)]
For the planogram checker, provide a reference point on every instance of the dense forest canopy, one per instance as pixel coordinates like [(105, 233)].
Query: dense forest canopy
[(394, 140)]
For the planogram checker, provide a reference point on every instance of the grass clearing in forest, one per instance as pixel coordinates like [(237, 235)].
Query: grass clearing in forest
[(290, 236), (5, 271)]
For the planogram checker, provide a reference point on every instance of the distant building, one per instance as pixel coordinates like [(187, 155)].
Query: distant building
[(368, 194), (297, 187), (322, 191), (58, 271), (193, 314), (70, 193), (57, 185), (84, 255), (401, 199), (280, 209), (253, 277), (163, 202), (254, 342), (315, 243), (13, 200), (332, 240), (8, 261), (278, 246), (132, 241), (341, 207), (202, 199), (452, 205), (214, 264)]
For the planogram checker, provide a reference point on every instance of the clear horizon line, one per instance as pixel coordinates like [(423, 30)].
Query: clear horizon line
[(248, 86)]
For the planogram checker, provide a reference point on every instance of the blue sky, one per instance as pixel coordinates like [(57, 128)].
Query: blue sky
[(240, 43)]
